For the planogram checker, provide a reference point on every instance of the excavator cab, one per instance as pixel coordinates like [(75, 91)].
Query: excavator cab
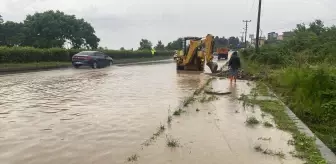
[(186, 45), (194, 56)]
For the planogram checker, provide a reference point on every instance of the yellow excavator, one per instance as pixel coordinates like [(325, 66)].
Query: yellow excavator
[(194, 56)]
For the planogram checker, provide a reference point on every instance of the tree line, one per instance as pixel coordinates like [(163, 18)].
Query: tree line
[(49, 29), (231, 42), (54, 29)]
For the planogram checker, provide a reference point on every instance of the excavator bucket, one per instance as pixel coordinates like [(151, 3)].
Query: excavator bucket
[(213, 66)]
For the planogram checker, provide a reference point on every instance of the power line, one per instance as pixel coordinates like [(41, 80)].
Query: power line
[(246, 21), (252, 7)]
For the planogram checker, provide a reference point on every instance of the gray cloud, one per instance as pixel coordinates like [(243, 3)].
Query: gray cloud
[(123, 23)]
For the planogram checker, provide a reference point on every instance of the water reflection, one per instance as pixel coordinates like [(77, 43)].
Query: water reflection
[(233, 90)]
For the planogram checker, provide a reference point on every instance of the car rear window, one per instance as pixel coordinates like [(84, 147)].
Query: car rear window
[(85, 53)]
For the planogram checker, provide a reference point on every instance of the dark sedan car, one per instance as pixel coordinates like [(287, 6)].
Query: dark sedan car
[(94, 59)]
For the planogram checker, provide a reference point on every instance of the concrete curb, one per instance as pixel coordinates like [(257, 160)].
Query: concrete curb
[(33, 69), (326, 153)]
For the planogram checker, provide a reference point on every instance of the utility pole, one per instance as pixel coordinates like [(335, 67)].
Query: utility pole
[(258, 27), (246, 21), (251, 37), (242, 37)]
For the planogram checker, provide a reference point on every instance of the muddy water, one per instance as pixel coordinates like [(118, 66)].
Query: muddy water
[(86, 116)]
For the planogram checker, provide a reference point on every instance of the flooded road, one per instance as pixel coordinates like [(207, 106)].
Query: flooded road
[(86, 116), (104, 116)]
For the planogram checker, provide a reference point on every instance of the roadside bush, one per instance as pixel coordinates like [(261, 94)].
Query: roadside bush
[(117, 54), (29, 54), (311, 94), (305, 76)]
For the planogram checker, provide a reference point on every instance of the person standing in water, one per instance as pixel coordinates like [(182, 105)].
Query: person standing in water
[(234, 65)]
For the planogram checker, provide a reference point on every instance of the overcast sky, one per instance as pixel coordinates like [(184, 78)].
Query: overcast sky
[(122, 23)]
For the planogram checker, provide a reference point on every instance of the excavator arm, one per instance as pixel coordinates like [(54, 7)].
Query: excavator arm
[(191, 52), (209, 46)]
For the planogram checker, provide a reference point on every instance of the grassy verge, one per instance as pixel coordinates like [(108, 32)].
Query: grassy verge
[(305, 146), (308, 91)]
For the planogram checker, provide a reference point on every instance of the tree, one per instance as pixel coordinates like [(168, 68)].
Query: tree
[(233, 42), (175, 45), (317, 27), (221, 42), (52, 29), (159, 46), (122, 48), (11, 34), (300, 28), (145, 44), (1, 19)]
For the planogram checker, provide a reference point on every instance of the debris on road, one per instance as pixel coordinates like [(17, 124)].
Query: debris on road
[(217, 93)]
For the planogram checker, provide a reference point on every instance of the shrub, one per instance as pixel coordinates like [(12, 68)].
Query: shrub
[(29, 54), (305, 76)]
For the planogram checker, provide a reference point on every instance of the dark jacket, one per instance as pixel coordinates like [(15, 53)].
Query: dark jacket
[(234, 61)]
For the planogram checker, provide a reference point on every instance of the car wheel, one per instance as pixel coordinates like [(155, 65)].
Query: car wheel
[(76, 66), (111, 63), (94, 65)]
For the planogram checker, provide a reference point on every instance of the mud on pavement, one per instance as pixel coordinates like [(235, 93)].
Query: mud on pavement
[(217, 128)]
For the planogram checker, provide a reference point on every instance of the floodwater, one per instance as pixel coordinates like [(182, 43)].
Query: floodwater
[(103, 116), (86, 116)]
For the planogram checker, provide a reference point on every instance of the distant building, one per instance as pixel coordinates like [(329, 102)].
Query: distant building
[(287, 35), (280, 37), (272, 36), (261, 41)]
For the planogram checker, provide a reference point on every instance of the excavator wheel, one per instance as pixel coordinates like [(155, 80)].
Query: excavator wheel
[(213, 67)]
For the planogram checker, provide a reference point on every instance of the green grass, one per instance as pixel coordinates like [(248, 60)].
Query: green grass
[(207, 83), (159, 131), (261, 89), (304, 145), (178, 112), (133, 158), (302, 73), (268, 125), (279, 154), (308, 91), (188, 101), (169, 120), (252, 121), (172, 142)]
